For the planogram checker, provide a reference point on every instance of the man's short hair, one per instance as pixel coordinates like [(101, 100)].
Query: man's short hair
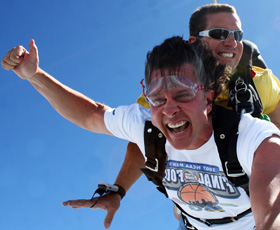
[(175, 52), (198, 20)]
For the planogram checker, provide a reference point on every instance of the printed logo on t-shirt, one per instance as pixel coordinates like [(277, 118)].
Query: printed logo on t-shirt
[(199, 185)]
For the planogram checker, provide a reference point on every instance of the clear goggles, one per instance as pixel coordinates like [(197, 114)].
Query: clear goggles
[(222, 34), (180, 88)]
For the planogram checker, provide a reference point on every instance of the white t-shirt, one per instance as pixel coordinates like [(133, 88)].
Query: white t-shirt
[(195, 178)]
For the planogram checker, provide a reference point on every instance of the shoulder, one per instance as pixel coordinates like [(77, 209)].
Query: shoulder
[(252, 125), (264, 75), (129, 110), (126, 117), (127, 122), (268, 87)]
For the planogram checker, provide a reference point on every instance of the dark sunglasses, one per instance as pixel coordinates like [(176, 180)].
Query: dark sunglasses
[(222, 34)]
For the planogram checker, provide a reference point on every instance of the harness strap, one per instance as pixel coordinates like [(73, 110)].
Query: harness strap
[(155, 156), (251, 55), (225, 124), (225, 220), (243, 98), (187, 224)]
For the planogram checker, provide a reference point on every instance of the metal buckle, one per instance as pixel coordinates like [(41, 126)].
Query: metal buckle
[(239, 87), (155, 169), (233, 219), (250, 111), (233, 174)]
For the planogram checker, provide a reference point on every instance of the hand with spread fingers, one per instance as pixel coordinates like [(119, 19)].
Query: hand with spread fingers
[(25, 64), (109, 202)]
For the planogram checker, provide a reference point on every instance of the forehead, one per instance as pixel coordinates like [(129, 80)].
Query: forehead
[(223, 20), (186, 70)]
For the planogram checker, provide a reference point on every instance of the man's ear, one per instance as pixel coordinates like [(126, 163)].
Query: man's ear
[(210, 98), (192, 39)]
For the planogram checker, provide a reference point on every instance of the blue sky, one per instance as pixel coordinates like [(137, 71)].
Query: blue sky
[(97, 48)]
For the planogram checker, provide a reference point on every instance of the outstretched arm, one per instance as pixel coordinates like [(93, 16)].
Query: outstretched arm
[(128, 175), (69, 103), (265, 184)]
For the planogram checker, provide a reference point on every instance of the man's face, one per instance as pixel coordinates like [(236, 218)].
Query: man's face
[(186, 125), (228, 51)]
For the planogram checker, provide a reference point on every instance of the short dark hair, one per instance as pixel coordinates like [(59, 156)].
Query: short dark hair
[(175, 52), (198, 21)]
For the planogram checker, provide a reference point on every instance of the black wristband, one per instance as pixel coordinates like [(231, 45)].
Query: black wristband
[(120, 191), (105, 188)]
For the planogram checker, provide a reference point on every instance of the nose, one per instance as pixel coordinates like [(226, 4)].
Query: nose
[(230, 41), (170, 108)]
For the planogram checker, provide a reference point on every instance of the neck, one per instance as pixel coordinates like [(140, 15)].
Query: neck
[(204, 137)]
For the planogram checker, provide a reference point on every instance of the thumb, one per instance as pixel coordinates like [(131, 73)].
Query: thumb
[(33, 52), (109, 218)]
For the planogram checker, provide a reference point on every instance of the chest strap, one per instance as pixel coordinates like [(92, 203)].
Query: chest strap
[(225, 220)]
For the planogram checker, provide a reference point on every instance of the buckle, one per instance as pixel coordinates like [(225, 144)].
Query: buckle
[(243, 97), (233, 174), (249, 109), (154, 169)]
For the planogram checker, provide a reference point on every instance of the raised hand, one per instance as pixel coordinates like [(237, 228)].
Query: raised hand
[(25, 64)]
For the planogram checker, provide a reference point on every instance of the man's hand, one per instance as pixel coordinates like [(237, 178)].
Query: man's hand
[(23, 63), (109, 202)]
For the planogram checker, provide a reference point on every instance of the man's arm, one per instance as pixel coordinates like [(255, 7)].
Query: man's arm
[(265, 184), (71, 104), (130, 171)]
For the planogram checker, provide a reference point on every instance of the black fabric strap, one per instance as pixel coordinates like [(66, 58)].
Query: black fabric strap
[(102, 190), (155, 155), (225, 220), (225, 124), (121, 191), (251, 55)]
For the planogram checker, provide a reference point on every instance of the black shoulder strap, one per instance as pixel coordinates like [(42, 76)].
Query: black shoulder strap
[(225, 124), (155, 155), (243, 93), (242, 85), (243, 98)]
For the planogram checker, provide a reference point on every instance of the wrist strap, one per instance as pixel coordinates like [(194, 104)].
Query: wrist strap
[(102, 189), (120, 191)]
